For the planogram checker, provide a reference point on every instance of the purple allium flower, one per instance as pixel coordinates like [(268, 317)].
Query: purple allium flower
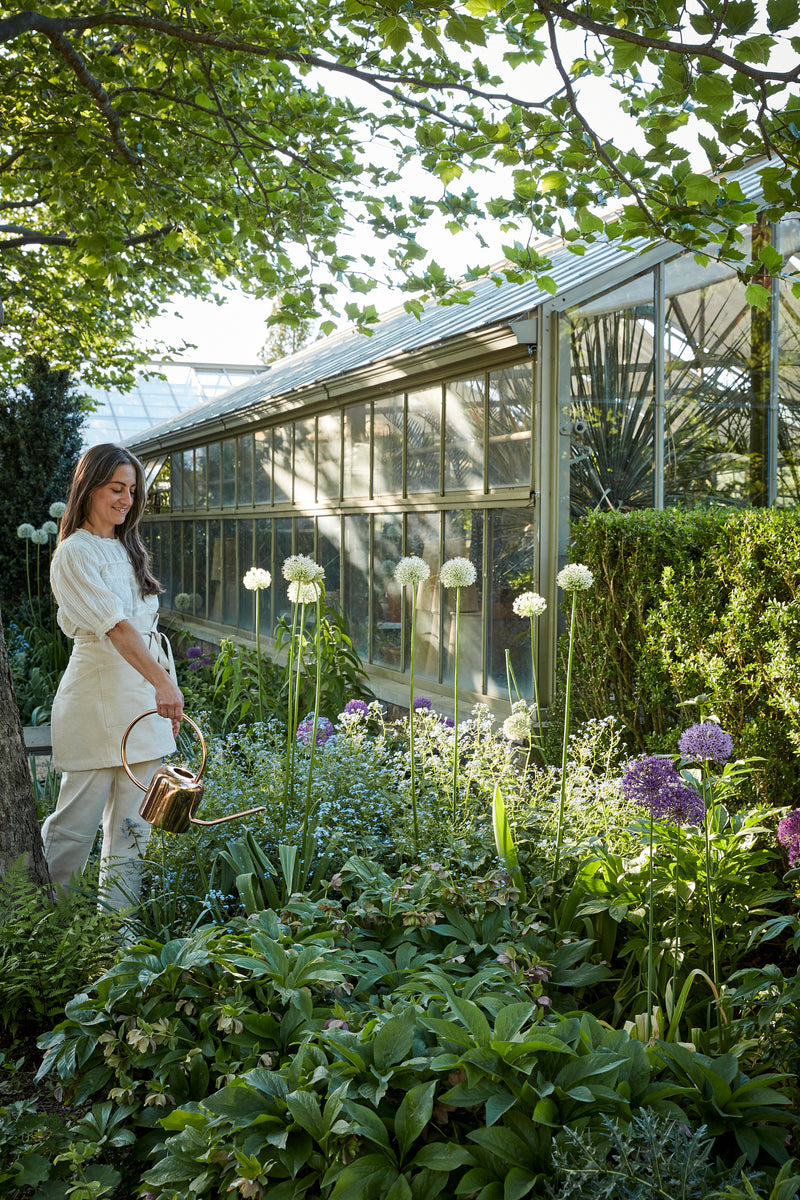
[(356, 708), (706, 742), (789, 835), (194, 652), (197, 664), (305, 730), (653, 782), (448, 722), (421, 702)]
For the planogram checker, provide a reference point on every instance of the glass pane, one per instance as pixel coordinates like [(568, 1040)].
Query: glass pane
[(176, 567), (388, 434), (716, 352), (215, 571), (463, 531), (199, 596), (214, 475), (789, 369), (158, 499), (356, 580), (329, 555), (304, 461), (283, 548), (165, 576), (187, 556), (329, 455), (263, 468), (229, 474), (188, 479), (177, 481), (264, 559), (386, 610), (230, 575), (510, 407), (304, 536), (245, 470), (246, 561), (356, 451), (512, 544), (423, 440), (200, 477), (463, 435), (423, 539), (282, 464)]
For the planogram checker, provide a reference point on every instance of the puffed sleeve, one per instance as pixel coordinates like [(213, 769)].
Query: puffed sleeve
[(85, 602)]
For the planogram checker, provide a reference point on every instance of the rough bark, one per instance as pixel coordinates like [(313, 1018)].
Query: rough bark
[(19, 825)]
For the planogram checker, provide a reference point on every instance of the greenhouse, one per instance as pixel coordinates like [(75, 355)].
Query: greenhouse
[(645, 380)]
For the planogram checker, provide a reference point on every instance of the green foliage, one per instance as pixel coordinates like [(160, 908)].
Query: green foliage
[(40, 443), (37, 657), (49, 949), (695, 603), (343, 676)]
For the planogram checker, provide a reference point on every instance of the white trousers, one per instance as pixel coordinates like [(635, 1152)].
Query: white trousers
[(85, 800)]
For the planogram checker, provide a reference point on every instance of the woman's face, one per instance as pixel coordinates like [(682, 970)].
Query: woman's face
[(109, 505)]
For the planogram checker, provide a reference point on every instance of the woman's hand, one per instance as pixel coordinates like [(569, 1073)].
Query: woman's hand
[(169, 702)]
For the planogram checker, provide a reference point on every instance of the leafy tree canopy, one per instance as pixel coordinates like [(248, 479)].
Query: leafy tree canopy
[(154, 149)]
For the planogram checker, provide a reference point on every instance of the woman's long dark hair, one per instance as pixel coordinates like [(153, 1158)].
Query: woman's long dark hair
[(95, 469)]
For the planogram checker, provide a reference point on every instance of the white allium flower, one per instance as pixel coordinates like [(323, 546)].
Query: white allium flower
[(57, 510), (40, 537), (25, 531), (50, 528), (457, 573), (257, 578), (411, 569), (299, 568), (517, 727), (575, 577), (183, 601), (529, 604), (303, 593)]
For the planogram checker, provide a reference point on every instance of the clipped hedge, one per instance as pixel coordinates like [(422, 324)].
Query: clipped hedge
[(690, 603)]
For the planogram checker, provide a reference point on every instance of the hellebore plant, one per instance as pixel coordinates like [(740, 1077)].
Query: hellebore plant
[(410, 572), (456, 573), (255, 580), (572, 579)]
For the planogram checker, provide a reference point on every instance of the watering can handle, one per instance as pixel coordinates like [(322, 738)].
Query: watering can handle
[(154, 712)]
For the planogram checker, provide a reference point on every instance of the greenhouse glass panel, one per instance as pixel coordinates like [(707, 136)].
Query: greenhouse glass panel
[(716, 356), (176, 561), (304, 536), (215, 568), (282, 464), (244, 464), (263, 469), (200, 477), (188, 569), (199, 595), (463, 533), (357, 432), (611, 401), (263, 559), (176, 475), (188, 479), (510, 405), (423, 440), (788, 490), (230, 574), (423, 539), (304, 460), (329, 455), (511, 546), (214, 475), (229, 473), (329, 555), (388, 432), (386, 610), (283, 549), (158, 500), (355, 580), (463, 434), (246, 561)]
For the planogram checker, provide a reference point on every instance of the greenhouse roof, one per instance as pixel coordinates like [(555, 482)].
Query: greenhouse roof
[(398, 333)]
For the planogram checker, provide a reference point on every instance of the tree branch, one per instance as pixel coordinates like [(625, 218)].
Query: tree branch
[(32, 237)]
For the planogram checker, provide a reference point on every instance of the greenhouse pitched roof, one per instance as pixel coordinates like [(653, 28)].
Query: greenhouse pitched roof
[(494, 302)]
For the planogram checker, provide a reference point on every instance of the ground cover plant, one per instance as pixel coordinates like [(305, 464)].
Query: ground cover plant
[(380, 986)]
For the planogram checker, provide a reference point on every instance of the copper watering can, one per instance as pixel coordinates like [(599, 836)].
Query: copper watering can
[(173, 791)]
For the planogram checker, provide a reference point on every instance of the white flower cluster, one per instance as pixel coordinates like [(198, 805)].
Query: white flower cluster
[(257, 578), (25, 530), (457, 573), (182, 602), (411, 569), (575, 577), (529, 604), (57, 510), (299, 568), (303, 593)]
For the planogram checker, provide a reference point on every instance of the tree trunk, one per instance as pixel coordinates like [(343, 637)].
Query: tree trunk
[(19, 826)]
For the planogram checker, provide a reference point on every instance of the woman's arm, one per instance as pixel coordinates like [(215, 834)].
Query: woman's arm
[(127, 641)]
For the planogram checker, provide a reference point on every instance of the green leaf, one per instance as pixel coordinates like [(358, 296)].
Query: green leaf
[(771, 258), (443, 1156), (510, 1020), (551, 181), (393, 1040), (414, 1114), (700, 189), (473, 1018), (518, 1183), (782, 14), (304, 1107), (504, 841), (757, 295)]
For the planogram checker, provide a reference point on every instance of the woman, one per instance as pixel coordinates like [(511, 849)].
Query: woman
[(119, 667)]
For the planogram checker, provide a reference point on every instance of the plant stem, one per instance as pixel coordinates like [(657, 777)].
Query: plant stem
[(649, 1016), (534, 677), (455, 689), (290, 721), (256, 595), (317, 691), (565, 744), (411, 720), (709, 895)]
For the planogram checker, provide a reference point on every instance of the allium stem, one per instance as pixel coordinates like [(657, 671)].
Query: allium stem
[(536, 681), (455, 688), (291, 720), (256, 595), (317, 692), (411, 719), (709, 894), (649, 1015), (565, 744)]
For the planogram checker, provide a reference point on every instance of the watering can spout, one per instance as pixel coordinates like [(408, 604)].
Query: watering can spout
[(173, 792)]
